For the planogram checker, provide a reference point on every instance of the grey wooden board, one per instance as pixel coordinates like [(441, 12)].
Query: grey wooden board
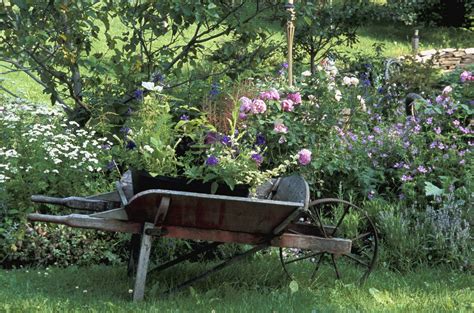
[(142, 268), (212, 211)]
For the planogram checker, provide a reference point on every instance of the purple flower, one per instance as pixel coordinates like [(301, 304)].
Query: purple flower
[(212, 161), (214, 89), (284, 65), (407, 178), (257, 158), (211, 137), (371, 195), (429, 120), (258, 106), (242, 116), (279, 127), (130, 145), (304, 156), (287, 105), (271, 94), (138, 94), (465, 76), (184, 117), (456, 123), (422, 169), (282, 140), (245, 104), (462, 162), (225, 140), (125, 130), (295, 97), (260, 140), (437, 130), (377, 130)]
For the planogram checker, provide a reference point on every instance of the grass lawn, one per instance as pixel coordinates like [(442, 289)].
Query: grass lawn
[(252, 286)]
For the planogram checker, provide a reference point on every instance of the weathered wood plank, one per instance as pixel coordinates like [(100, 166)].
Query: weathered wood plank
[(142, 268), (332, 245), (212, 211), (116, 214), (293, 189), (85, 221), (75, 202)]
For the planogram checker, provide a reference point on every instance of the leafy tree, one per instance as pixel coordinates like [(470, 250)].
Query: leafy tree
[(322, 26), (60, 43)]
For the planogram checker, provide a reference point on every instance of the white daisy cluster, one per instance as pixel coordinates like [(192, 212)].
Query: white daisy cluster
[(36, 139)]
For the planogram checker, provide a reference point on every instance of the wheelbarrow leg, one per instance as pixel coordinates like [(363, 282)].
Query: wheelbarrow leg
[(143, 259), (134, 252)]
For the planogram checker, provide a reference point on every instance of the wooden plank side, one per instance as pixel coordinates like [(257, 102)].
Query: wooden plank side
[(332, 245), (212, 211), (85, 221), (142, 268)]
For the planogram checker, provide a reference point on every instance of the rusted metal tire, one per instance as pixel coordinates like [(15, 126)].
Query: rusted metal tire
[(335, 218)]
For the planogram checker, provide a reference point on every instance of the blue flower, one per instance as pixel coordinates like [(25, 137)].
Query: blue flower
[(125, 130), (212, 161), (158, 77), (131, 145), (260, 140), (138, 94), (225, 140), (257, 158), (184, 117), (214, 89)]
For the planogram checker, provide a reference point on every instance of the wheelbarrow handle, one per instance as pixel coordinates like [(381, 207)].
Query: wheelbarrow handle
[(75, 202)]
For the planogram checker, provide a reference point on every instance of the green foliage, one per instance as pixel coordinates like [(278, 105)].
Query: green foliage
[(433, 12), (322, 27)]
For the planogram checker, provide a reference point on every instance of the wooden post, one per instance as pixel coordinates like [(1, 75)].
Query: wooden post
[(142, 268), (415, 42), (290, 33)]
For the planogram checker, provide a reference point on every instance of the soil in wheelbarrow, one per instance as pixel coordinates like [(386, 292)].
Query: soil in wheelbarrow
[(142, 181)]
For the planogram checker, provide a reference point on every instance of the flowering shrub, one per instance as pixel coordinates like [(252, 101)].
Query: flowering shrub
[(41, 153)]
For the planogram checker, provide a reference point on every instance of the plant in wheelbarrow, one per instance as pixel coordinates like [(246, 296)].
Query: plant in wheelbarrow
[(191, 154)]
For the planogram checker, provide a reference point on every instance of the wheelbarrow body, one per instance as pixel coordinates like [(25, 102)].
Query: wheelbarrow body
[(186, 215)]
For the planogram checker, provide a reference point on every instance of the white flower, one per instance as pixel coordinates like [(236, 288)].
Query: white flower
[(147, 148), (346, 81), (354, 81), (362, 103), (447, 90), (306, 73), (338, 95), (151, 86)]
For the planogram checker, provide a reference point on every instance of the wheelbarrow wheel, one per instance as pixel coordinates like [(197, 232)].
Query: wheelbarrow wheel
[(334, 218)]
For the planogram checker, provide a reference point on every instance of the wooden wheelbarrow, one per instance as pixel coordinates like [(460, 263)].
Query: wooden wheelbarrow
[(285, 219)]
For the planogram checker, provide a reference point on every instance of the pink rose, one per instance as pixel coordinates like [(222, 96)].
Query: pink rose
[(245, 104), (258, 106), (295, 97), (465, 76), (279, 127), (272, 94), (287, 105), (304, 157)]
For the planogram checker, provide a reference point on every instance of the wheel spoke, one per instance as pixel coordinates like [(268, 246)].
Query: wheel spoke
[(353, 257), (321, 225), (317, 265), (346, 209), (361, 236), (333, 259), (302, 258)]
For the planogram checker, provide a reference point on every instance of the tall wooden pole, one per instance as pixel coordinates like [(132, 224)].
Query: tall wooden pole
[(290, 34)]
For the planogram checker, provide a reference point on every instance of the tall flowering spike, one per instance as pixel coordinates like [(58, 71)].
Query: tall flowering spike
[(304, 156)]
